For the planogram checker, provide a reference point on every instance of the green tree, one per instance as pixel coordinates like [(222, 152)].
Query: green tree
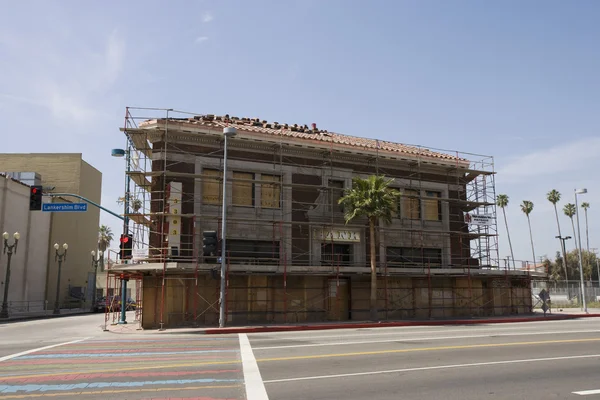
[(105, 237), (527, 208), (502, 202), (570, 210), (374, 199), (553, 197)]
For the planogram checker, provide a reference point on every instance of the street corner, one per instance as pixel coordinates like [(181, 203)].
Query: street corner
[(127, 367)]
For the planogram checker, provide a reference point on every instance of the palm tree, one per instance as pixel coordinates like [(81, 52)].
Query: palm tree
[(570, 210), (502, 202), (585, 206), (372, 198), (105, 236), (553, 197), (527, 208)]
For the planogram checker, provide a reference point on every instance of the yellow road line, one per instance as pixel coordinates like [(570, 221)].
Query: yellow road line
[(91, 392), (417, 349), (308, 357)]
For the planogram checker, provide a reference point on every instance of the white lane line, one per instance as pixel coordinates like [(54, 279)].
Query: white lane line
[(587, 392), (255, 388), (11, 356), (396, 339), (393, 371), (386, 332)]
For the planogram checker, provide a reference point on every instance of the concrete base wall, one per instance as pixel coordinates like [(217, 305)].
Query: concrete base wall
[(257, 299)]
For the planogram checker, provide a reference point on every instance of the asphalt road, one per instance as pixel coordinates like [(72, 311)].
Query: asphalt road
[(72, 358), (538, 360)]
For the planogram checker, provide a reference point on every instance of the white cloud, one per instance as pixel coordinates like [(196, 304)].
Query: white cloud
[(201, 39), (67, 79), (207, 17), (567, 157)]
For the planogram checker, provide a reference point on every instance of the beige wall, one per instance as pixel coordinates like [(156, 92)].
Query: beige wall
[(29, 262), (68, 173)]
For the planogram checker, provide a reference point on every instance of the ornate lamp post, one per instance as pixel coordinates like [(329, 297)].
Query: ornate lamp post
[(8, 249), (95, 263), (60, 258)]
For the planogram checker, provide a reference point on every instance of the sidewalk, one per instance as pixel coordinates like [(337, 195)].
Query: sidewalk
[(42, 314), (536, 316)]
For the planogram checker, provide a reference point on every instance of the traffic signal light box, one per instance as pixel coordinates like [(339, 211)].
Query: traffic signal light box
[(126, 246), (35, 198)]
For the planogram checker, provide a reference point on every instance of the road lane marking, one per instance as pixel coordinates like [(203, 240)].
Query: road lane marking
[(104, 392), (421, 349), (111, 355), (587, 392), (23, 353), (100, 385), (255, 388), (419, 339), (415, 349), (391, 331), (392, 371)]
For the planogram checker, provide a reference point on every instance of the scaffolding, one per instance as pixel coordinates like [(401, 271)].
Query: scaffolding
[(291, 255)]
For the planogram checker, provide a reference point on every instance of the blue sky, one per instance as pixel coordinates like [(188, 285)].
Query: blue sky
[(516, 80)]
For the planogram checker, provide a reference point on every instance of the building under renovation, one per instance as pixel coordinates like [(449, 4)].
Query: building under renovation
[(290, 255)]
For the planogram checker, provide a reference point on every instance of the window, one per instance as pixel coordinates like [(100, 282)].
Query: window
[(410, 204), (270, 192), (242, 193), (212, 191), (336, 254), (253, 252), (336, 191), (413, 256), (433, 208)]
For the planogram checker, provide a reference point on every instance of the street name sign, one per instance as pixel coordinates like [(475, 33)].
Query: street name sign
[(64, 207)]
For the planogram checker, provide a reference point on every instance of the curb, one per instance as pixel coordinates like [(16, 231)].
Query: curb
[(38, 317), (288, 328)]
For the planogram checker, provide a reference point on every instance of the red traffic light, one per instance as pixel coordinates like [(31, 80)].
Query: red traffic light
[(124, 239), (33, 190)]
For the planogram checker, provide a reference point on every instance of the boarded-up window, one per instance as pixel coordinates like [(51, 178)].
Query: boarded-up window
[(242, 193), (270, 192), (413, 256), (410, 204), (432, 206), (336, 191), (212, 191)]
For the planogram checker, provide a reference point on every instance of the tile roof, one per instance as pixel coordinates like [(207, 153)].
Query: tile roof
[(306, 133)]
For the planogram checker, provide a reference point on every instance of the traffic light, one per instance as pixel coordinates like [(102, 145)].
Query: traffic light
[(209, 243), (126, 246), (35, 198)]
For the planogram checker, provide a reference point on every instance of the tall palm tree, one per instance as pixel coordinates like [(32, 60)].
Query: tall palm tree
[(527, 208), (553, 197), (105, 236), (585, 206), (374, 199), (570, 210), (502, 202)]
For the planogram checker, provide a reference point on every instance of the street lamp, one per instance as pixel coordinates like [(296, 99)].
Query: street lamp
[(580, 191), (95, 263), (564, 252), (8, 249), (60, 258), (227, 133)]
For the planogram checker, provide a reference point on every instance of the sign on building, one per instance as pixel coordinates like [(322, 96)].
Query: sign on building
[(336, 235), (479, 219), (174, 218)]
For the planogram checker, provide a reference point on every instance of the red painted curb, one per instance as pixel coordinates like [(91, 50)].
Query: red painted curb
[(292, 328)]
